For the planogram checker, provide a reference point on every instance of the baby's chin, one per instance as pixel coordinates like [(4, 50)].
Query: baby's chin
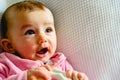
[(46, 59)]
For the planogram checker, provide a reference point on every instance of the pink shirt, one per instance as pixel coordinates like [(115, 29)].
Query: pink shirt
[(15, 68)]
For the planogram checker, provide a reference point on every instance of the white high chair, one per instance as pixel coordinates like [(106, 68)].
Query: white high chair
[(89, 35)]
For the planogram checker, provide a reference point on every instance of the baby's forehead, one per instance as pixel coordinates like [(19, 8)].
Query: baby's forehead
[(14, 15), (20, 8), (15, 12)]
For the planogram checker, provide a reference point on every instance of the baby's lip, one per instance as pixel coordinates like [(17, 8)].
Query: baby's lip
[(43, 50)]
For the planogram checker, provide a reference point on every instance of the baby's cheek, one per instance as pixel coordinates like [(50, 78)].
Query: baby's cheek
[(28, 48)]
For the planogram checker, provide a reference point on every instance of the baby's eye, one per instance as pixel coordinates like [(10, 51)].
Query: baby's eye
[(29, 32), (48, 30)]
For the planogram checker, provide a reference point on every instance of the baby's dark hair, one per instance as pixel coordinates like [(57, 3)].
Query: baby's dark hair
[(27, 5)]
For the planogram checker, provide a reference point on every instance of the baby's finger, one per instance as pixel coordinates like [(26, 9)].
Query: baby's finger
[(40, 79), (82, 76), (43, 73), (48, 67), (75, 75), (32, 78), (69, 74)]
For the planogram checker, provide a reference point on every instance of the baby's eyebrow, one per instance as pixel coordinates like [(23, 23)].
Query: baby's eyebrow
[(26, 26), (49, 23)]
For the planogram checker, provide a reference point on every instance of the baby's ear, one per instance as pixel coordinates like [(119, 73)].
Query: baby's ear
[(5, 43)]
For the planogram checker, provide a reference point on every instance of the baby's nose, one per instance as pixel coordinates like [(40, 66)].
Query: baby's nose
[(42, 39)]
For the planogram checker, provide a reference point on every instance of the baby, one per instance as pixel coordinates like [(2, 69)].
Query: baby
[(29, 43)]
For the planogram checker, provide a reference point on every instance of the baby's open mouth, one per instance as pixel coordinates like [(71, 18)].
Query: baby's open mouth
[(42, 51)]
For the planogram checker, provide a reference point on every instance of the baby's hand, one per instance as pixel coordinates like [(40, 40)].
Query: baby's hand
[(74, 75), (40, 73)]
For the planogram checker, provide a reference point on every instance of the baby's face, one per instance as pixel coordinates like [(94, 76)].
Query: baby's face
[(33, 34)]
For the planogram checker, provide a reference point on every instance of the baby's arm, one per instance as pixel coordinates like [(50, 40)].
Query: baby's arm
[(19, 76)]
